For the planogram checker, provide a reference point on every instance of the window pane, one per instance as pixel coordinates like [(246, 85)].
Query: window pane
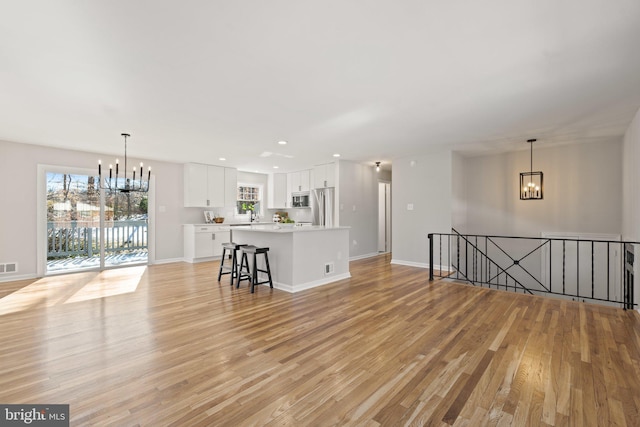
[(248, 200)]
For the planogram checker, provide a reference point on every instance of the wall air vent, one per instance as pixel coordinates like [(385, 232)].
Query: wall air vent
[(9, 267), (328, 268)]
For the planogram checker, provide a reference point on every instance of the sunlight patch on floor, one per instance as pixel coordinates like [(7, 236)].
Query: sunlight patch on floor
[(70, 288), (110, 283)]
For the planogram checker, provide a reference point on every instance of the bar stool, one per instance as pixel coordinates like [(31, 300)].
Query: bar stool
[(233, 268), (252, 274)]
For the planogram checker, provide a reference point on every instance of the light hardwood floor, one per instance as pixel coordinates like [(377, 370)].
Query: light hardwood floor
[(169, 345)]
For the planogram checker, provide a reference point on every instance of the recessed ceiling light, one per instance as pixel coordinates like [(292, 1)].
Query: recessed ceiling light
[(336, 155), (282, 142), (276, 167), (222, 159)]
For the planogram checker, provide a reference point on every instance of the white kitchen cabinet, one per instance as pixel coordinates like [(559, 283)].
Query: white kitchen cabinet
[(230, 187), (299, 181), (293, 182), (305, 180), (203, 242), (324, 175), (209, 186), (277, 183)]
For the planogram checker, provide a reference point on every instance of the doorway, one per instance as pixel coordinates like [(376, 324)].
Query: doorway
[(86, 228), (384, 217)]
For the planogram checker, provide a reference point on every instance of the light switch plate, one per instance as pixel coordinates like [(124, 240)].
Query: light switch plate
[(410, 207)]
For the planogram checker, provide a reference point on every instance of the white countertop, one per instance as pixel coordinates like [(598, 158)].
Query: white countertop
[(279, 228), (232, 224)]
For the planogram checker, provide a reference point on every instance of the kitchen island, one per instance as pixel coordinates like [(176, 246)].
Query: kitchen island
[(300, 257)]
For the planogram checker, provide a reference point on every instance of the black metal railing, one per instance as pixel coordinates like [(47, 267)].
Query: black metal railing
[(579, 269)]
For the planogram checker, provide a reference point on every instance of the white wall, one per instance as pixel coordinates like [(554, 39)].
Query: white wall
[(425, 182), (631, 181), (358, 207), (631, 194), (582, 191), (18, 172), (458, 193)]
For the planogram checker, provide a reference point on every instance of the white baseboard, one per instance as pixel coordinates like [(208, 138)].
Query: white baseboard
[(421, 265), (15, 278), (198, 260), (409, 263), (309, 285), (357, 257), (167, 261)]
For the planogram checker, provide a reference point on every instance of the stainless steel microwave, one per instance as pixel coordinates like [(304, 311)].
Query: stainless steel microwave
[(300, 200)]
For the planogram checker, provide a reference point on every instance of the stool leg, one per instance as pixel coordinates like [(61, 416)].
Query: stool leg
[(234, 265), (254, 274), (244, 260), (221, 264), (266, 260)]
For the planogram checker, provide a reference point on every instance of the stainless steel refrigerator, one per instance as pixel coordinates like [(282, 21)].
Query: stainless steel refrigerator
[(323, 206)]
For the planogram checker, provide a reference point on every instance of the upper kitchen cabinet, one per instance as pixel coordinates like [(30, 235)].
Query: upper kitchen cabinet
[(277, 183), (324, 175), (299, 181), (230, 187), (305, 180), (208, 186)]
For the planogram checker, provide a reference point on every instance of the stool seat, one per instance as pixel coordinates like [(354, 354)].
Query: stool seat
[(244, 273), (233, 268)]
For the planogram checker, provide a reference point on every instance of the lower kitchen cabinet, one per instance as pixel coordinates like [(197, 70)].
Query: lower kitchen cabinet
[(203, 242)]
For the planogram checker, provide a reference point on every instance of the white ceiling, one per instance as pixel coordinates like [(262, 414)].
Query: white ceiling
[(371, 80)]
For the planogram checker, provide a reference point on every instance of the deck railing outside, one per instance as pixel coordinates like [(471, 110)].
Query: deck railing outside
[(594, 270), (82, 238)]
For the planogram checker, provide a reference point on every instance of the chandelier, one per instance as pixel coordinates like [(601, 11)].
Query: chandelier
[(124, 184), (531, 182)]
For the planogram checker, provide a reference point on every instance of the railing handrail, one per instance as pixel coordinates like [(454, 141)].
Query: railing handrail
[(492, 236)]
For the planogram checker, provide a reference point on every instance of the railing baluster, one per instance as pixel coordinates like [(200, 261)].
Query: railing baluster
[(466, 258), (448, 255), (458, 259), (578, 269), (608, 268), (550, 267), (440, 260), (564, 256), (430, 257), (592, 271)]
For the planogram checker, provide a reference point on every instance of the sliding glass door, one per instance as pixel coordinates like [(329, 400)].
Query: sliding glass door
[(90, 230), (125, 228)]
